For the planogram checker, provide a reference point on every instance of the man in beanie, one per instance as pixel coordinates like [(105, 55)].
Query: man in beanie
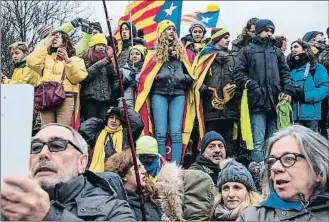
[(237, 191), (193, 41), (45, 31), (245, 37), (321, 50), (215, 88), (147, 151), (109, 135), (212, 153), (262, 69), (96, 28)]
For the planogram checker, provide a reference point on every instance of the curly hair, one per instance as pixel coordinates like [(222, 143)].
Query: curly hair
[(67, 44), (280, 40), (165, 48)]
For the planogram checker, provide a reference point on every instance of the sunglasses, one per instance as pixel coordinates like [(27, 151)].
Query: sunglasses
[(56, 145)]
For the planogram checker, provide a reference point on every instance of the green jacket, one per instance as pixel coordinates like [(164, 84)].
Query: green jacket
[(80, 47), (317, 210)]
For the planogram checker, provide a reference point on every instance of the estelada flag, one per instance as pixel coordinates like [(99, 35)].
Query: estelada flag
[(143, 105)]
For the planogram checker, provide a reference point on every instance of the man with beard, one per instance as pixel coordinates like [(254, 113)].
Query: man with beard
[(321, 50), (245, 37), (59, 187), (212, 153), (262, 69)]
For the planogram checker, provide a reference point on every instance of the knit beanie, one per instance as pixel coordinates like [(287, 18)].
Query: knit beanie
[(235, 172), (197, 24), (311, 35), (262, 24), (97, 39), (97, 25), (44, 31), (218, 33), (147, 145), (140, 48), (208, 138), (163, 25)]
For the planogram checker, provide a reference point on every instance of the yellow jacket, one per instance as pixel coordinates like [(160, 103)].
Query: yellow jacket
[(51, 69), (23, 75)]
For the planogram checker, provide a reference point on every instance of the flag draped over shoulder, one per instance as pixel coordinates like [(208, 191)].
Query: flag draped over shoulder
[(143, 106), (147, 14), (209, 18)]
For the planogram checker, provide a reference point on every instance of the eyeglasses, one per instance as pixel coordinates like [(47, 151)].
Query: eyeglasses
[(287, 160), (56, 145)]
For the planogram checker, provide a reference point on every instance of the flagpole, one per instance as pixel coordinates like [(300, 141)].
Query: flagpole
[(125, 109), (131, 32)]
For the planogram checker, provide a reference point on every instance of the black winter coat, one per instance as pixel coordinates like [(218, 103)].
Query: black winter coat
[(91, 129), (172, 79), (153, 212), (265, 66), (219, 74), (87, 197), (99, 82)]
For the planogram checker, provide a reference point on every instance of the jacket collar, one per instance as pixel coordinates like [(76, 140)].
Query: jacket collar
[(263, 41), (21, 64)]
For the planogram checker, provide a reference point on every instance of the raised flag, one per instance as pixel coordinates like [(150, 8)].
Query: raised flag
[(209, 18)]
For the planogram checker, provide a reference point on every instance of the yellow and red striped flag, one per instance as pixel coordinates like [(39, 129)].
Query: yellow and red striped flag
[(142, 16)]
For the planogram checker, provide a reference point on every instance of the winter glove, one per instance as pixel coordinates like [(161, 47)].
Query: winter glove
[(132, 75), (300, 94), (205, 91), (76, 22), (188, 80), (228, 91), (85, 26)]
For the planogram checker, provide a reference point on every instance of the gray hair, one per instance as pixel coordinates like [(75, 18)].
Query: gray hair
[(80, 141), (312, 145)]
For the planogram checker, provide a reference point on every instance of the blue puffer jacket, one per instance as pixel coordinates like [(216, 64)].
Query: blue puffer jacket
[(316, 88)]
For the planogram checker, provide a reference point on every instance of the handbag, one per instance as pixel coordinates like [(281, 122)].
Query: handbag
[(49, 95)]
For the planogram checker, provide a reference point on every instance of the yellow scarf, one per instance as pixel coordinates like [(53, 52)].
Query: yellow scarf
[(98, 161)]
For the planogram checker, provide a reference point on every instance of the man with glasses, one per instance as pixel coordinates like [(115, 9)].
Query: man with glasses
[(262, 69), (245, 37), (59, 187)]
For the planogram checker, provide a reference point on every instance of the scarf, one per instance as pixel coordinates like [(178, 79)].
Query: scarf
[(208, 49), (204, 162), (98, 161), (274, 201), (153, 168), (138, 66), (97, 56), (296, 61)]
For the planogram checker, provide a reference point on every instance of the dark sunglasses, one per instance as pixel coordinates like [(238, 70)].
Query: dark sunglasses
[(287, 160), (56, 145)]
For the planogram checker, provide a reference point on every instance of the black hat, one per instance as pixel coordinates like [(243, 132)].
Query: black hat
[(113, 110), (262, 24), (97, 25)]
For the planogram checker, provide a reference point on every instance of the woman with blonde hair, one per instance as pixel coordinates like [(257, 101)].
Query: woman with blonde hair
[(164, 91), (236, 191), (122, 164)]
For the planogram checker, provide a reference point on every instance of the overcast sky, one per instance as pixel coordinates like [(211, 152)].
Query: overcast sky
[(291, 18)]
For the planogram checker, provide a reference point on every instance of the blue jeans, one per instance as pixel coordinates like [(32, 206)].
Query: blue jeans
[(161, 105), (263, 126)]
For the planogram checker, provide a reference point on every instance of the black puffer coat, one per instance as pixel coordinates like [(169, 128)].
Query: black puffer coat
[(91, 129), (172, 79), (99, 82), (265, 66), (220, 74), (87, 197)]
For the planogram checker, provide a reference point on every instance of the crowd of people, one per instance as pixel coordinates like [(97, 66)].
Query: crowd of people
[(178, 105)]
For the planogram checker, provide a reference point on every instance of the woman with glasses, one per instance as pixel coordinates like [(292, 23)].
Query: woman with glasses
[(194, 41), (295, 179), (311, 82), (122, 164), (22, 74)]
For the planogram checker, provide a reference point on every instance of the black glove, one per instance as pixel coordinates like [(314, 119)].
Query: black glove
[(132, 74), (299, 93), (205, 91), (76, 22)]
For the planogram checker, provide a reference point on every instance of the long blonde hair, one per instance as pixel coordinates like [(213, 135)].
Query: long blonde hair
[(163, 45)]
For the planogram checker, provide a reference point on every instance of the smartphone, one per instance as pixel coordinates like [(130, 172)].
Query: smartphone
[(16, 129)]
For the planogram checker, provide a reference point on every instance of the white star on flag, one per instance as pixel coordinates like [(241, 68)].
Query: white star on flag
[(205, 19), (170, 10)]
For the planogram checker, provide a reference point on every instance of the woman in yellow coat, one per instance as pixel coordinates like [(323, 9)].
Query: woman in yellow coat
[(50, 62), (22, 74)]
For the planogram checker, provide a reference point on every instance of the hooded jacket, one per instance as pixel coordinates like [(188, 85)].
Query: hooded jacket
[(87, 197), (264, 65), (185, 194), (124, 46)]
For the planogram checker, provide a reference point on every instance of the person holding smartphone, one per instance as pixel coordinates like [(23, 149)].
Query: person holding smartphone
[(22, 74), (53, 61)]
